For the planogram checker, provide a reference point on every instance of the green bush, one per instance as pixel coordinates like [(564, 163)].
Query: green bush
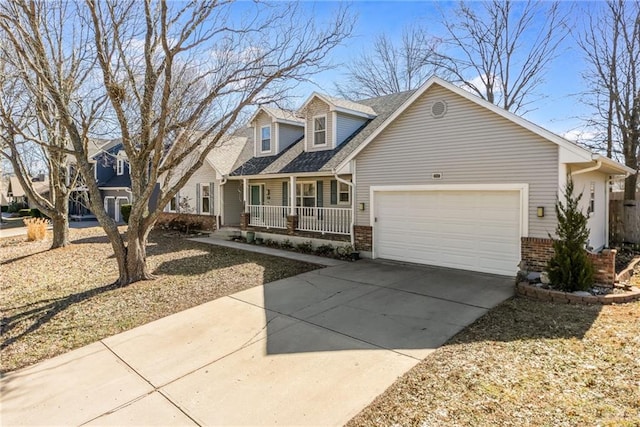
[(15, 207), (286, 244), (125, 211), (325, 250), (570, 268), (35, 212), (4, 208), (24, 212), (305, 247)]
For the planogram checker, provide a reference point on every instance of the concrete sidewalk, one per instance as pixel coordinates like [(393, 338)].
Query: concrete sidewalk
[(313, 349)]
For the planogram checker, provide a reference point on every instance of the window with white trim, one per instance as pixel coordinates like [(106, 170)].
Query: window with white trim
[(205, 198), (306, 194), (592, 198), (173, 204), (265, 138), (320, 130), (344, 193), (119, 166)]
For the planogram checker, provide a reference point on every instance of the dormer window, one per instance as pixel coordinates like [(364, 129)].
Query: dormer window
[(120, 166), (265, 132), (320, 130)]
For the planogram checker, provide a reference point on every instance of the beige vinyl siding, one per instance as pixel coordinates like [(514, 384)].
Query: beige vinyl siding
[(288, 135), (205, 175), (346, 125), (469, 145), (232, 193), (263, 119), (274, 188), (317, 108), (597, 219)]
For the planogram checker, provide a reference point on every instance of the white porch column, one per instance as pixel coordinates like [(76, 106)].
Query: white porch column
[(292, 195), (245, 192)]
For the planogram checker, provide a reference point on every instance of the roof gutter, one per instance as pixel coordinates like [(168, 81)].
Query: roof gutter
[(591, 169), (353, 205)]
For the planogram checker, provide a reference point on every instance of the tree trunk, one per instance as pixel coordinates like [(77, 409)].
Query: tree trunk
[(136, 256), (60, 224), (630, 185), (60, 218)]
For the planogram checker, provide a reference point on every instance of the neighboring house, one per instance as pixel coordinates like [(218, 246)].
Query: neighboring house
[(16, 194), (110, 171), (435, 176), (4, 187), (112, 175), (208, 192)]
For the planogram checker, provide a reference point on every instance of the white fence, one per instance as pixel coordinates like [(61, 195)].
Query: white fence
[(325, 220), (268, 216)]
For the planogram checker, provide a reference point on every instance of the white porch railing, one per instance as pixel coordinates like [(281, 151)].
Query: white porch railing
[(325, 220), (268, 216)]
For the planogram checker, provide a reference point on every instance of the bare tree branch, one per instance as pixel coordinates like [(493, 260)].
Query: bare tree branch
[(500, 50)]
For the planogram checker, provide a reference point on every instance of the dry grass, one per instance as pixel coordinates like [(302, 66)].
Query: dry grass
[(525, 363), (53, 301), (36, 228)]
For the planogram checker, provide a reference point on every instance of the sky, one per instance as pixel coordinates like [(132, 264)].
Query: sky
[(558, 111)]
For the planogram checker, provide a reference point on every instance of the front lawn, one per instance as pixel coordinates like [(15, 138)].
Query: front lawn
[(525, 363), (55, 301)]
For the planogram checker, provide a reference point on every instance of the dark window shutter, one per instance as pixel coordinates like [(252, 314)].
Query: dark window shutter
[(212, 185), (198, 199), (319, 192), (319, 196), (334, 192), (285, 197)]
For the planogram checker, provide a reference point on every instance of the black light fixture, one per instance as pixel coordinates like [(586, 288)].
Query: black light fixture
[(540, 211)]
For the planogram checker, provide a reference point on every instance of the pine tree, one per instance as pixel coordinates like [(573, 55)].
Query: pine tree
[(570, 268)]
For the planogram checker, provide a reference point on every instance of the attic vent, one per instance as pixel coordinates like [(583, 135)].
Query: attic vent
[(438, 109)]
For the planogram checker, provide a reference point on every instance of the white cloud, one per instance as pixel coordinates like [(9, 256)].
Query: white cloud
[(580, 135), (478, 83)]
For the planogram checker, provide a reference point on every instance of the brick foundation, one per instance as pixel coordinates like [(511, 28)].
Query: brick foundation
[(536, 253), (245, 218), (292, 224), (194, 221), (363, 236)]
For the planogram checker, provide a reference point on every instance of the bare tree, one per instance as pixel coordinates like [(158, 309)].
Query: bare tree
[(500, 50), (611, 44), (28, 127), (388, 67), (178, 78)]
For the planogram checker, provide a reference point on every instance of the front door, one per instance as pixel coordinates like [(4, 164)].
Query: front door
[(255, 200), (256, 195)]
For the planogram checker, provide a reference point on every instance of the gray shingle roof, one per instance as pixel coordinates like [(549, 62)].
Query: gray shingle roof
[(117, 181), (350, 105), (295, 159), (284, 114), (225, 154)]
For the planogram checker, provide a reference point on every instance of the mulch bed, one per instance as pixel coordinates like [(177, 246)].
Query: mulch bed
[(53, 301)]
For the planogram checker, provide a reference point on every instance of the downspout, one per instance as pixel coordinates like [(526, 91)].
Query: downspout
[(220, 202), (353, 205)]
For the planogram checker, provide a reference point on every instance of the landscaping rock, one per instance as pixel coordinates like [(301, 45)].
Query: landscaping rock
[(582, 293), (533, 277), (544, 278)]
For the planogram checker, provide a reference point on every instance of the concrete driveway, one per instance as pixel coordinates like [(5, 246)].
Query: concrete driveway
[(313, 349)]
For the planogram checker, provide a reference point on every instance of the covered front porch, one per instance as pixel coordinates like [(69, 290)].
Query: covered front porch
[(307, 205)]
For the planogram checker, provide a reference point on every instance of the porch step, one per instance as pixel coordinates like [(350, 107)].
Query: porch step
[(226, 233)]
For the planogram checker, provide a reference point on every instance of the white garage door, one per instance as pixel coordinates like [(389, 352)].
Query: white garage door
[(470, 230)]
